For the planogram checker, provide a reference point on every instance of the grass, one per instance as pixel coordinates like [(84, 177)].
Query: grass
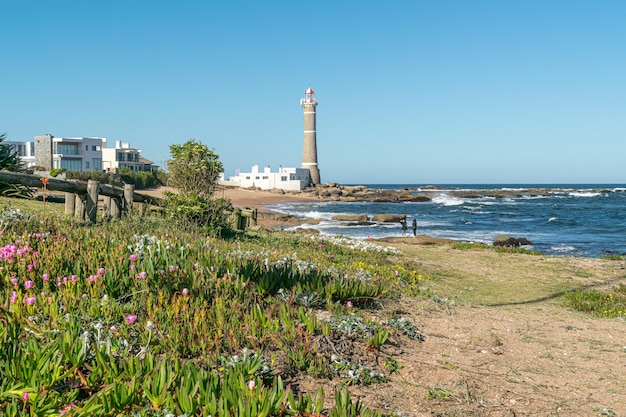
[(600, 304), (134, 317)]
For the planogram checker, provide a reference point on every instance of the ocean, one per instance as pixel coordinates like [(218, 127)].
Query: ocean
[(586, 220)]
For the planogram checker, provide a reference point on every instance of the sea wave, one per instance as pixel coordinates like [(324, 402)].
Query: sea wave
[(584, 194), (562, 249), (447, 200)]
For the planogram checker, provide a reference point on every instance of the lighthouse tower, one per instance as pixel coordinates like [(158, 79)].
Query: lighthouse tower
[(309, 152)]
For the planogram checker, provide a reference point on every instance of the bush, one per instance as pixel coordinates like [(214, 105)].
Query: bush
[(197, 211), (101, 177), (141, 180), (56, 171)]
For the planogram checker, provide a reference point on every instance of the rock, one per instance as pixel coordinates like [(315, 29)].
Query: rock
[(508, 241), (350, 217), (334, 192), (354, 224), (388, 218)]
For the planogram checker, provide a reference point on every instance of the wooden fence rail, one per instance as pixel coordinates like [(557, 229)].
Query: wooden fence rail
[(81, 199)]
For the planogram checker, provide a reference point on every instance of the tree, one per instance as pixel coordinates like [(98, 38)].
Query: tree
[(9, 159), (194, 168), (193, 171)]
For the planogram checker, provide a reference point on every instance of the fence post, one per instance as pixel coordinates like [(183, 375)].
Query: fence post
[(129, 190), (79, 206), (70, 199), (92, 200), (107, 207), (115, 208)]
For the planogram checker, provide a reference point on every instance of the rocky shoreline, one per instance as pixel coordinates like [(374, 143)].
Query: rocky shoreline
[(338, 192)]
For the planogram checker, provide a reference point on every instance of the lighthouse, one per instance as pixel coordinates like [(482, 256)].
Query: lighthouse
[(309, 152)]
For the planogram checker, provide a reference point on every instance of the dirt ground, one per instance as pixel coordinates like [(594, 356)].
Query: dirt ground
[(529, 358), (499, 342)]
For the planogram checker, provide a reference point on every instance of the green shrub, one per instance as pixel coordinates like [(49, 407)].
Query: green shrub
[(212, 215), (56, 171)]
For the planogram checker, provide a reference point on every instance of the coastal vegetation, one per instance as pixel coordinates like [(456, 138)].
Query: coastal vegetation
[(135, 318), (156, 315), (10, 161)]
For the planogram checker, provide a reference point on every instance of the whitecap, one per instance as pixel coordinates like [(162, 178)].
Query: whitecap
[(448, 200), (583, 194), (551, 219), (562, 249)]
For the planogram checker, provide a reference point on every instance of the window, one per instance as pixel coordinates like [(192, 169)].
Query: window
[(265, 177), (283, 178), (72, 164), (67, 149), (96, 164), (248, 177), (86, 147), (86, 165), (96, 148), (120, 156)]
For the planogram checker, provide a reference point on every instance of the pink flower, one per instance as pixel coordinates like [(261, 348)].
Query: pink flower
[(131, 318), (172, 268), (14, 297), (73, 278), (185, 291), (25, 396), (132, 267), (143, 275), (30, 301), (251, 384), (45, 277), (30, 267), (101, 271), (133, 257), (67, 408), (14, 282), (349, 304), (28, 284)]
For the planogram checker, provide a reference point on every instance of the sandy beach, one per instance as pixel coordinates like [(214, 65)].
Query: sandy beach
[(242, 197)]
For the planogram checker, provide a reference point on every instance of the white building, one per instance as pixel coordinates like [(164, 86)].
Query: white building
[(24, 150), (122, 156), (285, 179), (78, 154)]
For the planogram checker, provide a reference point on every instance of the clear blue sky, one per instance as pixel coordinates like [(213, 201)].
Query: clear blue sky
[(409, 91)]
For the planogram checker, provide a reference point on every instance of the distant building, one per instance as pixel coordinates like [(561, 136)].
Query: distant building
[(24, 150), (123, 156), (73, 154), (285, 179)]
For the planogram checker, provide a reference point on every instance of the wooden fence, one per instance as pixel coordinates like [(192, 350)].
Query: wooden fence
[(81, 199)]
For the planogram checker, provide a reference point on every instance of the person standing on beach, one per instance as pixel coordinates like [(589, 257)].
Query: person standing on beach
[(403, 223), (414, 225)]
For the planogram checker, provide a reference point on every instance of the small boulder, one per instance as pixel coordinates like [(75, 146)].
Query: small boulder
[(389, 218), (508, 241), (350, 217)]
